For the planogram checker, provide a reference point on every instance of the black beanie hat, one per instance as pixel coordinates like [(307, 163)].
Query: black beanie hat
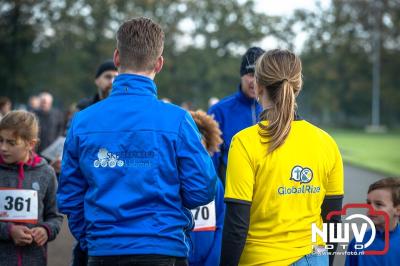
[(105, 66), (249, 59)]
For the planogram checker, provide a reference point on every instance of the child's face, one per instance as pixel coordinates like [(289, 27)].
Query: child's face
[(381, 200), (13, 149)]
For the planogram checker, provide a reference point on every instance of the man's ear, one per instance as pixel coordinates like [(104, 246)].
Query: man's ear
[(259, 90), (159, 64), (97, 82), (116, 60)]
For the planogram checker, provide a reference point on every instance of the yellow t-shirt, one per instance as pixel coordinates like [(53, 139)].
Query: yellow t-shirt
[(285, 189)]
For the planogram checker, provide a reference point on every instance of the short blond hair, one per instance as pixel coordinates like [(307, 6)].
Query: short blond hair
[(23, 124), (140, 41)]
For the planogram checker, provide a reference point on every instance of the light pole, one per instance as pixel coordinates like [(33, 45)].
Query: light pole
[(376, 63)]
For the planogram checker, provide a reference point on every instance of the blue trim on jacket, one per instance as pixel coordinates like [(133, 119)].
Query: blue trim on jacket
[(131, 166)]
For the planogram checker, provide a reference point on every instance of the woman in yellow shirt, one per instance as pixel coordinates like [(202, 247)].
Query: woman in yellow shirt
[(283, 175)]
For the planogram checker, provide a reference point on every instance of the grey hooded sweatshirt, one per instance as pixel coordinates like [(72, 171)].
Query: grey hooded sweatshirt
[(38, 175)]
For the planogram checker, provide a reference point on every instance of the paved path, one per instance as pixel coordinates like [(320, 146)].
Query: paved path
[(356, 186), (59, 251)]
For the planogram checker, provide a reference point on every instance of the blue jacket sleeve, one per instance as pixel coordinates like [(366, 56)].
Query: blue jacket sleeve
[(72, 187), (196, 171), (215, 252)]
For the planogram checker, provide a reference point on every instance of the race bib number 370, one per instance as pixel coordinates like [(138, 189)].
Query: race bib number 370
[(204, 217), (18, 205)]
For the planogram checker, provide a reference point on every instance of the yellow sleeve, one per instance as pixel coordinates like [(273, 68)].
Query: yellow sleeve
[(239, 174), (336, 177)]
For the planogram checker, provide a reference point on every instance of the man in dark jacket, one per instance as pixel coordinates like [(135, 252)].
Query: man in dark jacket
[(51, 121), (105, 75), (237, 111)]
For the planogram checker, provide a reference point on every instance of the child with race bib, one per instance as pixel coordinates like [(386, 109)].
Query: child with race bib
[(209, 219), (28, 211)]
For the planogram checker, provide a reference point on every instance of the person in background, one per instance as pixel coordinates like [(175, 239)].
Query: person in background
[(51, 121), (282, 164), (105, 74), (25, 179), (383, 195), (33, 103), (237, 111), (5, 106), (209, 219), (133, 165)]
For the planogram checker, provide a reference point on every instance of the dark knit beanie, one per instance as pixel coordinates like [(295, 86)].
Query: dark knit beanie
[(105, 66), (249, 59)]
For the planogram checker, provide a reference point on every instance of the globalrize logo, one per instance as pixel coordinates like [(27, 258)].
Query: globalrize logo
[(302, 175)]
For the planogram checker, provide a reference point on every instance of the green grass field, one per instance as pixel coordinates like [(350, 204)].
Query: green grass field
[(374, 151)]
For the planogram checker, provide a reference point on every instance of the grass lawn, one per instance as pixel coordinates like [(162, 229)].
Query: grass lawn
[(379, 152)]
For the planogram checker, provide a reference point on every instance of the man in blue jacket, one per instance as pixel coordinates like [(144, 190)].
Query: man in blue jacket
[(237, 111), (133, 164)]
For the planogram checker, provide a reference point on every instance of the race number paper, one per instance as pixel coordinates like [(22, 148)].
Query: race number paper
[(18, 205), (204, 217)]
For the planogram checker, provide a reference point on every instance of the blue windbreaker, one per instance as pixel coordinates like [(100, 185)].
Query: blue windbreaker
[(392, 257), (233, 114), (207, 244), (131, 166)]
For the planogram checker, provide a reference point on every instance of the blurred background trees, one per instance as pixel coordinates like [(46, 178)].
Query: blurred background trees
[(57, 45)]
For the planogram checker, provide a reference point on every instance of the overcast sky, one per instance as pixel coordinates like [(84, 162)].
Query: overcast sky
[(286, 8)]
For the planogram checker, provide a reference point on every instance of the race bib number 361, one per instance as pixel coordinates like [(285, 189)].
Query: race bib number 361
[(18, 205), (204, 217)]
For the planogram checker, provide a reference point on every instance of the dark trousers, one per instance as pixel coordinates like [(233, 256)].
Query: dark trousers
[(137, 260), (79, 256)]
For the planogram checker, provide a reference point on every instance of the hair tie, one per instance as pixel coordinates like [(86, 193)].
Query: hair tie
[(285, 80)]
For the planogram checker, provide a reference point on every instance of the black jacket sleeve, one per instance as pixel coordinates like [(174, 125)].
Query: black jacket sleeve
[(331, 203), (236, 227)]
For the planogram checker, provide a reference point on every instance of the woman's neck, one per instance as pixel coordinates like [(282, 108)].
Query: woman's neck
[(265, 102)]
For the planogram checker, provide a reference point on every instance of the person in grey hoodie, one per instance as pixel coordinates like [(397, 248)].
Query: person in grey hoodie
[(28, 214)]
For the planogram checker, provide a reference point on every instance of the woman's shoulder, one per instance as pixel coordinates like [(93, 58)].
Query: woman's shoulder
[(311, 130), (248, 134)]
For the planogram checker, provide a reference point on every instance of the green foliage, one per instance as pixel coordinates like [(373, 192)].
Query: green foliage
[(57, 45), (373, 151), (59, 52), (337, 62)]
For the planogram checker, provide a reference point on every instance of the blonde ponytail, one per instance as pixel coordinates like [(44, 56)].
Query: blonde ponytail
[(279, 72)]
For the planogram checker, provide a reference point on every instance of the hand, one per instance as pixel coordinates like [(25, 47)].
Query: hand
[(40, 235), (21, 235)]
